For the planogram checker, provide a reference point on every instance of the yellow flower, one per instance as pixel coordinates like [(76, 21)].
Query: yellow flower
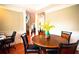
[(47, 27)]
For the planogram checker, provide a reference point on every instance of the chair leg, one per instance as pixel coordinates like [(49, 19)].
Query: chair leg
[(25, 52), (14, 45), (8, 48), (9, 45), (42, 50)]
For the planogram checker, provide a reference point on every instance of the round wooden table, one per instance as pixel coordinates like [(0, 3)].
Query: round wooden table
[(52, 42)]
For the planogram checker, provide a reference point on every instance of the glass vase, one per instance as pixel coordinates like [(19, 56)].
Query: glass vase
[(47, 34)]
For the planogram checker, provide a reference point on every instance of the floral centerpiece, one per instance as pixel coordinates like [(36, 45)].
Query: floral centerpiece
[(46, 27)]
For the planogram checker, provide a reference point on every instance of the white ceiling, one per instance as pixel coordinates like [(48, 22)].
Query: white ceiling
[(26, 6), (34, 7), (21, 7)]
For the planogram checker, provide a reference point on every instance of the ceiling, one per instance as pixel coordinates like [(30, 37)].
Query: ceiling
[(21, 7), (34, 7)]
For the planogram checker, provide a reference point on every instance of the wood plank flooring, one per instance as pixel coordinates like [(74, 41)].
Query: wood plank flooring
[(19, 50)]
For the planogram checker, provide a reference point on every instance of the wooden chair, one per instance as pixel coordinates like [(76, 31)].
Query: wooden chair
[(68, 48), (41, 32), (33, 30), (28, 48), (66, 35), (1, 44), (52, 51), (2, 48), (10, 39)]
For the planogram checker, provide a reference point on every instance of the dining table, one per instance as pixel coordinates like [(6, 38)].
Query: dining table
[(52, 42)]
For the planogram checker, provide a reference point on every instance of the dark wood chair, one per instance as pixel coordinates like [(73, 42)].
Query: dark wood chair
[(10, 39), (33, 30), (66, 35), (1, 44), (41, 32), (68, 48), (29, 48), (2, 48), (52, 51)]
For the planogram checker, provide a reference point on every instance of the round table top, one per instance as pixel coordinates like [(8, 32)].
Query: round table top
[(52, 42)]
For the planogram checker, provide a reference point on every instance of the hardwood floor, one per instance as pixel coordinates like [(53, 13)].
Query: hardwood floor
[(19, 50)]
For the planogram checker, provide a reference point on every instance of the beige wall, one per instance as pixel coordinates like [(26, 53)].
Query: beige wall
[(65, 19), (10, 21), (78, 15)]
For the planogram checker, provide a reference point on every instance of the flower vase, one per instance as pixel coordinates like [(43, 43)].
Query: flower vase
[(47, 35)]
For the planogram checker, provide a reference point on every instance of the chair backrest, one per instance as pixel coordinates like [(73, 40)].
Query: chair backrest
[(68, 48), (25, 41), (13, 35), (1, 43), (41, 32), (66, 35)]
